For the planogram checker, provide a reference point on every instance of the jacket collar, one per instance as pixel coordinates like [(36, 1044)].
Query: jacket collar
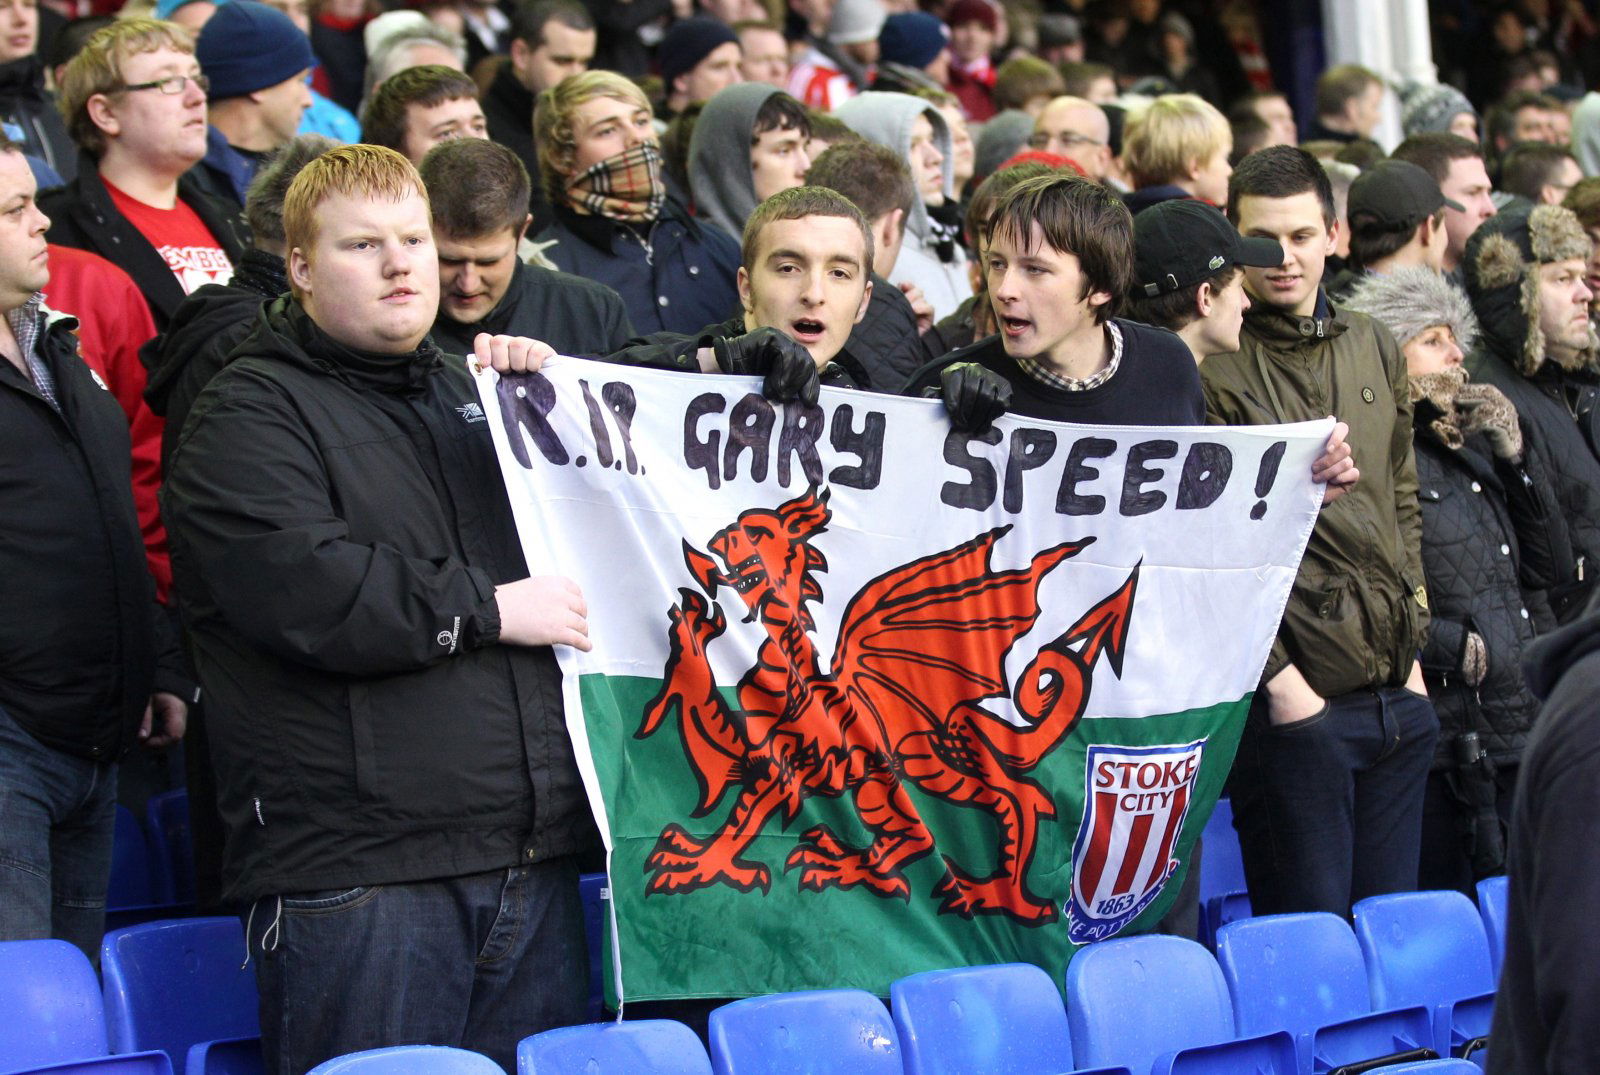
[(304, 343), (1278, 328)]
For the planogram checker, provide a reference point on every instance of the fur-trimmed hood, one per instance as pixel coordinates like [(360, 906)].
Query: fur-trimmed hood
[(1410, 301), (1503, 283)]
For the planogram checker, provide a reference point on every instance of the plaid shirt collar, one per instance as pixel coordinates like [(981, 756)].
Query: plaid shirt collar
[(1046, 375), (26, 325)]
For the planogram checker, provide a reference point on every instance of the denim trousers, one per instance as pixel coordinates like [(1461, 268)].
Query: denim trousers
[(478, 962), (57, 812), (1329, 809)]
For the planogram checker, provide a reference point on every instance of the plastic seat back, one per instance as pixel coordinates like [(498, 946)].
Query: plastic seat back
[(1430, 1067), (1422, 948), (410, 1060), (1293, 972), (1133, 999), (1493, 893), (1000, 1019), (151, 1063), (824, 1032), (50, 1005), (172, 984), (235, 1056), (1224, 897), (640, 1047), (167, 826), (133, 882)]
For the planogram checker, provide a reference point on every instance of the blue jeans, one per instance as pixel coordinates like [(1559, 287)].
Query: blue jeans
[(1329, 809), (57, 812), (478, 962)]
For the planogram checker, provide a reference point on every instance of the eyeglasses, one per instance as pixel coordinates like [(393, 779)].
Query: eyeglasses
[(1067, 138), (172, 85)]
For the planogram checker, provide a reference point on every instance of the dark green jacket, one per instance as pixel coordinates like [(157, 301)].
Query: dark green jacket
[(1358, 613)]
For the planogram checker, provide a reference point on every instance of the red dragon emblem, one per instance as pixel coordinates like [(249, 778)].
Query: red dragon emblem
[(920, 649)]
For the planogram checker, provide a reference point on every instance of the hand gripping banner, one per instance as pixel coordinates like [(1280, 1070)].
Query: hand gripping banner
[(868, 696)]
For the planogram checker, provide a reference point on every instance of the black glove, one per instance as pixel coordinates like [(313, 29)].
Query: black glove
[(974, 395), (788, 368)]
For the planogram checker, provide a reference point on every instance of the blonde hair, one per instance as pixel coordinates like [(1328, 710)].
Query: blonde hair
[(97, 69), (1171, 135), (552, 121), (359, 171)]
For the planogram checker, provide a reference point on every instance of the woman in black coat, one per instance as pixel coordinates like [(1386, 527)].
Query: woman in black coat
[(1491, 530)]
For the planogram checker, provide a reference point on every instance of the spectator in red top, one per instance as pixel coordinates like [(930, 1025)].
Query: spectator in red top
[(974, 28), (134, 100)]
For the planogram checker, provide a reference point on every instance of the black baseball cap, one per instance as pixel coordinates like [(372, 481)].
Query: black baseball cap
[(1396, 194), (1179, 243)]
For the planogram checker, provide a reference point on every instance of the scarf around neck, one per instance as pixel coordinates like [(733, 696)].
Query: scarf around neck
[(626, 186)]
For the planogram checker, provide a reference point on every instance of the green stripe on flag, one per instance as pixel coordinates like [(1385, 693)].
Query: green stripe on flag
[(718, 941)]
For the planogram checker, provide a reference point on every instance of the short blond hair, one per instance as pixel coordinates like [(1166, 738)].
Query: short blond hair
[(359, 171), (552, 121), (1170, 135), (97, 68)]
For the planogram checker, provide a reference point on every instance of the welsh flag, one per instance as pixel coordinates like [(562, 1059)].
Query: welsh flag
[(869, 696)]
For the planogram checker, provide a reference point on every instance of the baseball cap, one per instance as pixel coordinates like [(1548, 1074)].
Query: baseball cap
[(1179, 243), (1395, 194)]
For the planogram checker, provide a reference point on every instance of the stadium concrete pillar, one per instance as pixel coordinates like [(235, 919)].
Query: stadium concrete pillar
[(1391, 37)]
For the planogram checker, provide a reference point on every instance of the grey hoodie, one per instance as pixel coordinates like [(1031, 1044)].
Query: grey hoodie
[(887, 119), (719, 156)]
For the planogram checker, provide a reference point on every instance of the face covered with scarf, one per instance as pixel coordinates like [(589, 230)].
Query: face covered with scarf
[(616, 165)]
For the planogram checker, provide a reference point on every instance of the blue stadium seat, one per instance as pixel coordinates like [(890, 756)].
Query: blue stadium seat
[(233, 1056), (151, 1063), (171, 985), (167, 825), (1001, 1020), (1429, 948), (51, 1002), (1304, 973), (1430, 1067), (825, 1032), (1223, 896), (1159, 1004), (1492, 895), (641, 1047), (592, 891), (410, 1060)]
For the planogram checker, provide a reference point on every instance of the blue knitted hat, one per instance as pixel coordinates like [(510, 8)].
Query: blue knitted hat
[(912, 38), (688, 42), (248, 46)]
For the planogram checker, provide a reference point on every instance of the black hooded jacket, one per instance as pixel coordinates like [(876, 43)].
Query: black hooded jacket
[(338, 528), (26, 103), (204, 330), (1544, 1013), (1556, 405)]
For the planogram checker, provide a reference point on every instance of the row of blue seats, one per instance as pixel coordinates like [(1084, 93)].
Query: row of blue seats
[(1286, 994)]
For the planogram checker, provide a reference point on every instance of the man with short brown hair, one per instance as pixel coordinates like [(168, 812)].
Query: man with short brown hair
[(416, 109)]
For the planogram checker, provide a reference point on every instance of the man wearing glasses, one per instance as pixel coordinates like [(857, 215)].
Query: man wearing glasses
[(1078, 129), (135, 103)]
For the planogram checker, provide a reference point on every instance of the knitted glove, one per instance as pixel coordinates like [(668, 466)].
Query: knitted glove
[(1485, 409)]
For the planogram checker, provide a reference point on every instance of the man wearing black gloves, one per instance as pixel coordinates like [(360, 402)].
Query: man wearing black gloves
[(804, 284), (1059, 262), (90, 666)]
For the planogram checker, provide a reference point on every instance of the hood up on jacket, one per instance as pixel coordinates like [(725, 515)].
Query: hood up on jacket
[(887, 119), (719, 155), (1502, 270)]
